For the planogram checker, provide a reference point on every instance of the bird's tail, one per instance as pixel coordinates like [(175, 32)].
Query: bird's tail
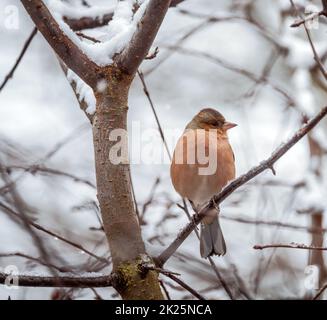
[(212, 241)]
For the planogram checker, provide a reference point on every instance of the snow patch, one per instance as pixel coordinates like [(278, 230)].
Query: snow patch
[(114, 37), (84, 91)]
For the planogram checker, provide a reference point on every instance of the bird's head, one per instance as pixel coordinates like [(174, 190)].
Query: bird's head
[(210, 119)]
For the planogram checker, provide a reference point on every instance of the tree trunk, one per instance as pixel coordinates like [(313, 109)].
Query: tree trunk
[(114, 193)]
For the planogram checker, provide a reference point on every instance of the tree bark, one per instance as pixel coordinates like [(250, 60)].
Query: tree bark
[(114, 193)]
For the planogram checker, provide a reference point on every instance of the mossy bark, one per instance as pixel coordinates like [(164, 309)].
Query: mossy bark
[(114, 191)]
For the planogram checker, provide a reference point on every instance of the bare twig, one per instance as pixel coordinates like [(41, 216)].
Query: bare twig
[(38, 260), (273, 224), (163, 286), (53, 234), (307, 31), (82, 35), (146, 91), (233, 68), (22, 212), (221, 279), (230, 188), (33, 169), (19, 59), (182, 284), (320, 292), (311, 17), (290, 246)]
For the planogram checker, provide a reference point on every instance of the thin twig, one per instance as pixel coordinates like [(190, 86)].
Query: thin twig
[(19, 59), (311, 17), (320, 292), (146, 91), (274, 224), (307, 31), (22, 210), (184, 285), (221, 279), (45, 170), (163, 286), (290, 246), (53, 234), (233, 68), (38, 260)]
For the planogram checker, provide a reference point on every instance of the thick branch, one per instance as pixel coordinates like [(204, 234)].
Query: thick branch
[(138, 48), (71, 282), (216, 200), (68, 51)]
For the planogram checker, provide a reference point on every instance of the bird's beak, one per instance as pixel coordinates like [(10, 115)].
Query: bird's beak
[(229, 125)]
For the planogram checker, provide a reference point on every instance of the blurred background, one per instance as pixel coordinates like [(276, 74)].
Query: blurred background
[(240, 57)]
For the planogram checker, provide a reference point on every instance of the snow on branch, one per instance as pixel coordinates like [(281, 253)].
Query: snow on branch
[(230, 188), (137, 49), (92, 21), (66, 49)]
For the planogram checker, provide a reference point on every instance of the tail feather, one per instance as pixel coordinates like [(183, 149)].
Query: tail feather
[(212, 241)]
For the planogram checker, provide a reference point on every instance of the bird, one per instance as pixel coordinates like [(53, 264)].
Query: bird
[(203, 163)]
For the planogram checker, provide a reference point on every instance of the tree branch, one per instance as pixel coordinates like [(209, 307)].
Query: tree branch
[(185, 286), (19, 59), (311, 17), (278, 224), (91, 23), (55, 235), (290, 246), (320, 292), (68, 51), (71, 282), (230, 188), (307, 31), (37, 260), (138, 48)]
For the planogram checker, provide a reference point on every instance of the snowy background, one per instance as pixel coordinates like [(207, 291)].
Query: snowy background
[(209, 67)]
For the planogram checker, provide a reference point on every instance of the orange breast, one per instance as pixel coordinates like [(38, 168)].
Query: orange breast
[(202, 165)]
